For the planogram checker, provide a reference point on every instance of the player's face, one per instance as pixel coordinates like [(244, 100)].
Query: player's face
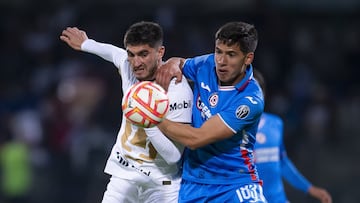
[(230, 63), (144, 60)]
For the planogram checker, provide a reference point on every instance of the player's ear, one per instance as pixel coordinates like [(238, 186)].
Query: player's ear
[(161, 51), (249, 57)]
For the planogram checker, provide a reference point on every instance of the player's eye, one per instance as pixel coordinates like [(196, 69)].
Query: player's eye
[(144, 54), (232, 54)]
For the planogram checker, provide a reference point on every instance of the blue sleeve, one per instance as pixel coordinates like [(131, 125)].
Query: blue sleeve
[(291, 174), (242, 112), (192, 65)]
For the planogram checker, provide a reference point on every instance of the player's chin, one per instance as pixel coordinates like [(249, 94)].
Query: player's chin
[(144, 77), (140, 76), (223, 78)]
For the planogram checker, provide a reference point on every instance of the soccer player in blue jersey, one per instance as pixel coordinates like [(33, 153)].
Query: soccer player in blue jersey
[(272, 162), (218, 162)]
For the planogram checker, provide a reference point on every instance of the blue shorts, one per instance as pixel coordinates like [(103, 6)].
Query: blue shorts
[(197, 192)]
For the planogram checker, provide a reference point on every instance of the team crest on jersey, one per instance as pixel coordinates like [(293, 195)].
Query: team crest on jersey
[(213, 99), (242, 111)]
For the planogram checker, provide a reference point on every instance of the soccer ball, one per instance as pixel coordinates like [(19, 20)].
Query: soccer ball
[(145, 104)]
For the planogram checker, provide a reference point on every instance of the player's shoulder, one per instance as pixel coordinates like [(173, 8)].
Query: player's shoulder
[(179, 91), (176, 87), (251, 98), (203, 57), (199, 60), (253, 93)]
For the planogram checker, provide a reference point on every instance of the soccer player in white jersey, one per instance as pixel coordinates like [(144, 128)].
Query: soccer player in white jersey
[(144, 163)]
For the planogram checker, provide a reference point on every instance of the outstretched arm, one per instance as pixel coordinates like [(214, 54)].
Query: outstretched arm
[(212, 130), (297, 180), (78, 40)]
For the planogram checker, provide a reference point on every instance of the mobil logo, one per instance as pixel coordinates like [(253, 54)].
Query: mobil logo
[(180, 105)]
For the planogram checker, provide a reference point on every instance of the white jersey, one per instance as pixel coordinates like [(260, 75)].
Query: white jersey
[(134, 156)]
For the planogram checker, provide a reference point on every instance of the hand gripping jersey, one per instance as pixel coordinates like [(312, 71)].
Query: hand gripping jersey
[(229, 161), (272, 162), (134, 156)]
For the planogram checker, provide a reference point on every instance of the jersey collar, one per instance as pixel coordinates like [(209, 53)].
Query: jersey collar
[(245, 81)]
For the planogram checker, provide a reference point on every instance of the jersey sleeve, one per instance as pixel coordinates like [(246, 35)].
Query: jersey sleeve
[(291, 174), (191, 66), (116, 55), (108, 52), (170, 151), (241, 113)]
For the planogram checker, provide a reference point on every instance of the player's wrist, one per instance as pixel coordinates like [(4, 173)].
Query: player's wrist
[(85, 45)]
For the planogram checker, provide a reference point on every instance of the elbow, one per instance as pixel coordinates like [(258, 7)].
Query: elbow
[(194, 145), (198, 142)]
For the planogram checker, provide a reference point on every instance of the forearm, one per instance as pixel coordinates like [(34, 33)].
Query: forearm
[(176, 61), (189, 136), (170, 151), (293, 176), (106, 51), (181, 133)]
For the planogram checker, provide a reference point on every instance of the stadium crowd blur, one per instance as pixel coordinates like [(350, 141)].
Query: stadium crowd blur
[(60, 109)]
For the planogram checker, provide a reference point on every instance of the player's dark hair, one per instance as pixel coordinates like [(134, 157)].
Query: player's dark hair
[(241, 33), (144, 32)]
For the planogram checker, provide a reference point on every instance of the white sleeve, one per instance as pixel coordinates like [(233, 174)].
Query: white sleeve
[(181, 100), (116, 55), (108, 52), (170, 151)]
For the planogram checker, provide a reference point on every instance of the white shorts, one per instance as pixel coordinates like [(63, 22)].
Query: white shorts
[(128, 191)]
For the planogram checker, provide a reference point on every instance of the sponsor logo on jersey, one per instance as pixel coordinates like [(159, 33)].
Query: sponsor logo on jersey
[(213, 99), (205, 111), (127, 164), (268, 154), (180, 105), (251, 99), (242, 111), (206, 87)]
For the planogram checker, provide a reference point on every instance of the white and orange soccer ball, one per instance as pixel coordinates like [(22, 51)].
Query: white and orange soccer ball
[(145, 104)]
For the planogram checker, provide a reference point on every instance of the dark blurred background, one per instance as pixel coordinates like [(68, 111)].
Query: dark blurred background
[(60, 109)]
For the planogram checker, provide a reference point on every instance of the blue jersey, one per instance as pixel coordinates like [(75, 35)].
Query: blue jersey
[(272, 162), (229, 161)]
